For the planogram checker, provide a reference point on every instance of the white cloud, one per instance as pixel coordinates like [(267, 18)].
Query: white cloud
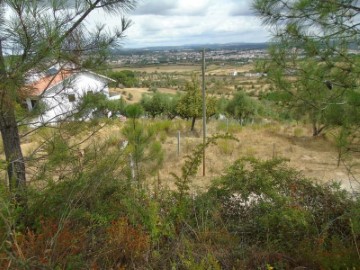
[(159, 7), (178, 22)]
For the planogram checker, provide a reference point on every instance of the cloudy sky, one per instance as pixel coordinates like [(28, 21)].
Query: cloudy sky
[(181, 22)]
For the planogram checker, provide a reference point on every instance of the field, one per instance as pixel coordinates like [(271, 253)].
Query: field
[(105, 179), (163, 68), (210, 69), (221, 80), (133, 95), (314, 157)]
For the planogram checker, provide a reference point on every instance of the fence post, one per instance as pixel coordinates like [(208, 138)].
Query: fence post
[(178, 143)]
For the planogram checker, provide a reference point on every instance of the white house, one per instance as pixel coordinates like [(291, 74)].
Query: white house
[(60, 91)]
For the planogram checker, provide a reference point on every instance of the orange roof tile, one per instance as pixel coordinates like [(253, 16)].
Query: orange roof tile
[(40, 86)]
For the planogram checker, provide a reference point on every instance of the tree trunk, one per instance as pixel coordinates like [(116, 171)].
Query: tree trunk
[(13, 154), (317, 130), (193, 123)]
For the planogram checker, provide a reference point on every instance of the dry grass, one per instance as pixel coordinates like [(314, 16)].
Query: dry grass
[(314, 157), (228, 69), (211, 69), (133, 95), (163, 68), (252, 85)]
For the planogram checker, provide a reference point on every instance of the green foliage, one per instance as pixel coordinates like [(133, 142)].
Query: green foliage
[(221, 105), (192, 163), (190, 104), (125, 77), (274, 204), (258, 215), (171, 106), (155, 105), (242, 107), (22, 112), (134, 111), (315, 68), (98, 105), (276, 96), (130, 96), (144, 150)]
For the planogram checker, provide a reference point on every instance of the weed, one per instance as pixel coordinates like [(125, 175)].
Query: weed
[(225, 147), (229, 126), (126, 245), (298, 132)]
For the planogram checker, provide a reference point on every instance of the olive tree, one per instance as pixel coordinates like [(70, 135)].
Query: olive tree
[(35, 35), (242, 107)]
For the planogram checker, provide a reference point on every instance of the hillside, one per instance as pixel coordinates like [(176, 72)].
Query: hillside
[(314, 157)]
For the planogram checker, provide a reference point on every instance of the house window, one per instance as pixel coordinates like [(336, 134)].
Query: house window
[(33, 103), (71, 97)]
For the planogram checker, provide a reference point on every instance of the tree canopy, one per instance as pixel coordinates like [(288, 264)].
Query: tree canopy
[(312, 57), (242, 107), (190, 104)]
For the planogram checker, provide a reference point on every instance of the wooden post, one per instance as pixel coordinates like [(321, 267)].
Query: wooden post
[(178, 143), (132, 167), (274, 151), (204, 107)]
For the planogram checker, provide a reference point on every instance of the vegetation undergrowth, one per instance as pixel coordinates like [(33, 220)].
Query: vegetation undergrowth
[(259, 214)]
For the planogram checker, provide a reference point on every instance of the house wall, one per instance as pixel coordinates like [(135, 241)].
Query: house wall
[(56, 99)]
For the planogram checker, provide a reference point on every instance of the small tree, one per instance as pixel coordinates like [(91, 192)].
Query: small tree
[(134, 111), (190, 104), (171, 106), (145, 152), (242, 107), (154, 105)]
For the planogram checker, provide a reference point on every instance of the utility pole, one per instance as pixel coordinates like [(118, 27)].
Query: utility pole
[(204, 107)]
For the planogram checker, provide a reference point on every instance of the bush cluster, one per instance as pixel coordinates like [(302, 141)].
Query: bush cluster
[(258, 215)]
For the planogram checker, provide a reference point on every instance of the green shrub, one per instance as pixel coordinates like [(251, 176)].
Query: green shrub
[(279, 209)]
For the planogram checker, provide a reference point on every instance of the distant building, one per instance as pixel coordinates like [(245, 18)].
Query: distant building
[(255, 75)]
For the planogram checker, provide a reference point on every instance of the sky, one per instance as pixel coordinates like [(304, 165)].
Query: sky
[(184, 22)]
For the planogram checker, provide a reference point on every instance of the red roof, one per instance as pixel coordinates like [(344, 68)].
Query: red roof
[(39, 87)]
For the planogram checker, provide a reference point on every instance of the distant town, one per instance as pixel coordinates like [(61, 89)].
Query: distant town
[(189, 55), (237, 54)]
